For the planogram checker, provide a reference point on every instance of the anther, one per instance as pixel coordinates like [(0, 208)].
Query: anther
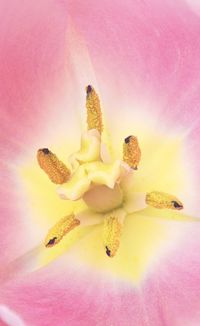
[(159, 199), (61, 228), (111, 235), (131, 152), (94, 115), (56, 170)]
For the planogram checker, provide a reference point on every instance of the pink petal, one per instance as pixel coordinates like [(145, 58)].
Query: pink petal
[(32, 82), (146, 62), (72, 292), (9, 317), (150, 53)]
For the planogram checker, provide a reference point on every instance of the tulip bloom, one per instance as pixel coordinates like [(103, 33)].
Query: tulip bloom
[(100, 163)]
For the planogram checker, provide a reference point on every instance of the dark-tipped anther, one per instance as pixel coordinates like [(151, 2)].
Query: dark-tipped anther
[(127, 139), (177, 205), (46, 151), (51, 242), (108, 251), (88, 89)]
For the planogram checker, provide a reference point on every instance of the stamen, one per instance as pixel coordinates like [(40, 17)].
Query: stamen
[(61, 228), (56, 170), (159, 199), (131, 152), (94, 116), (111, 235)]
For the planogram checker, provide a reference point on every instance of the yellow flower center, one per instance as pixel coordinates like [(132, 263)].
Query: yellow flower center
[(99, 184), (108, 202)]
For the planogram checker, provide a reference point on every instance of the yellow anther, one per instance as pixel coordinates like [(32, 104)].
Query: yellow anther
[(62, 227), (94, 116), (56, 170), (111, 235), (131, 152), (159, 199)]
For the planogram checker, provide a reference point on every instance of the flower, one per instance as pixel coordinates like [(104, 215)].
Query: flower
[(143, 61), (99, 182)]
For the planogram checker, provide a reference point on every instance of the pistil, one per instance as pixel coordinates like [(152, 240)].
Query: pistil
[(102, 199)]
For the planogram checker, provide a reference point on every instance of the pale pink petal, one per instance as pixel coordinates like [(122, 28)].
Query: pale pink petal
[(33, 79), (145, 59), (69, 291), (9, 317)]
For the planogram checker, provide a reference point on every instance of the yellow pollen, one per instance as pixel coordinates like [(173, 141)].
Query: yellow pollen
[(61, 228), (57, 172), (159, 199), (101, 191), (94, 116), (111, 235), (131, 152)]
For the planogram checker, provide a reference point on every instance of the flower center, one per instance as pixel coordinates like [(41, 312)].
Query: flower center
[(102, 199), (93, 176)]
